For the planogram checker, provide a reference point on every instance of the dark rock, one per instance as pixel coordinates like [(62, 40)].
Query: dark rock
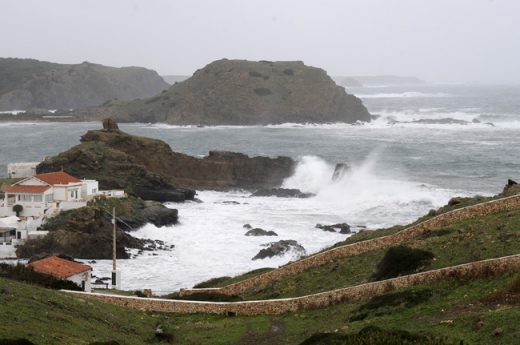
[(343, 228), (172, 195), (159, 215), (339, 171), (149, 168), (86, 234), (280, 248), (282, 193), (511, 182), (260, 232), (110, 125), (247, 226), (230, 202)]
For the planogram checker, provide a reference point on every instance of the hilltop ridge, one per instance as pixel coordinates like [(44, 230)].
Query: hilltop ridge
[(241, 92)]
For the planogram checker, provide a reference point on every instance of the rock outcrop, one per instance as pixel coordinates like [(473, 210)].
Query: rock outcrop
[(27, 83), (86, 233), (260, 232), (240, 92), (150, 169), (282, 193), (342, 228), (280, 248)]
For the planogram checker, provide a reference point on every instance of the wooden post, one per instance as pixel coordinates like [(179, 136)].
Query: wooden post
[(114, 239)]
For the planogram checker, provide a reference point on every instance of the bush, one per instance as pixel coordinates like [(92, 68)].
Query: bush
[(401, 260), (262, 91), (28, 275), (388, 303)]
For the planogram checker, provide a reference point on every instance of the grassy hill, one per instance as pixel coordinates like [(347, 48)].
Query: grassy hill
[(481, 311)]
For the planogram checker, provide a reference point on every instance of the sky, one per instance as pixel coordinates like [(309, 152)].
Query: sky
[(437, 40)]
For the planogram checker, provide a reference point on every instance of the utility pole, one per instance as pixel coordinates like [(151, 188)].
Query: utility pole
[(116, 277), (114, 239)]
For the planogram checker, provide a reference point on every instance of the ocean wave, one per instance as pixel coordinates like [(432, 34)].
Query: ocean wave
[(408, 94)]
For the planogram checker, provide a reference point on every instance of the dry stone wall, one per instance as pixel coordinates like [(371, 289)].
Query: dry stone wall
[(494, 206), (485, 268)]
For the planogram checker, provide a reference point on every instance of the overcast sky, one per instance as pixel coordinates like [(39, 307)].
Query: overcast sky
[(438, 40)]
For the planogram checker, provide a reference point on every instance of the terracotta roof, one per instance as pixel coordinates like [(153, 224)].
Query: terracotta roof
[(18, 188), (59, 267), (59, 177)]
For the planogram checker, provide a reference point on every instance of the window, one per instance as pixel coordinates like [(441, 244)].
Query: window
[(25, 197), (49, 198), (38, 198)]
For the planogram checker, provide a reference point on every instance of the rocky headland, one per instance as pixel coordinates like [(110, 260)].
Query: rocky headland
[(240, 92), (148, 168), (86, 233), (38, 85)]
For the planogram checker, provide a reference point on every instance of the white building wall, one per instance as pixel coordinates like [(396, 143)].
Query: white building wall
[(89, 188), (60, 193), (7, 250), (79, 278), (21, 170)]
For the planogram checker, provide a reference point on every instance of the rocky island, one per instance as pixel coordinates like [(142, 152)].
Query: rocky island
[(240, 92), (37, 86)]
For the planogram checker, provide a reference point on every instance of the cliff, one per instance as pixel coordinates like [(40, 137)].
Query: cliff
[(149, 168), (27, 84), (240, 92)]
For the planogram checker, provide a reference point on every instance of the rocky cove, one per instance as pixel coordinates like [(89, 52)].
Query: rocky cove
[(151, 173)]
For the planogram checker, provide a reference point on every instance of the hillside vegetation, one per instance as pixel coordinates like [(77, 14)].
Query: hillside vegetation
[(479, 311)]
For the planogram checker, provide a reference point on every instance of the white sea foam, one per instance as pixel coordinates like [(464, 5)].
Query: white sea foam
[(407, 94), (12, 112), (210, 240)]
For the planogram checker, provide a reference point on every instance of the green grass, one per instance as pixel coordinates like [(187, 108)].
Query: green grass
[(454, 310), (476, 239)]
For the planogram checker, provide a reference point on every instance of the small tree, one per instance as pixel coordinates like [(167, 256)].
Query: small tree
[(18, 209)]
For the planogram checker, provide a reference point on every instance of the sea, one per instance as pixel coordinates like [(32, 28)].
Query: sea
[(427, 144)]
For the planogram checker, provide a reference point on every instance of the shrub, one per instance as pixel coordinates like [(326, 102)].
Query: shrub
[(288, 71), (386, 304), (255, 74), (401, 260), (262, 91), (18, 209)]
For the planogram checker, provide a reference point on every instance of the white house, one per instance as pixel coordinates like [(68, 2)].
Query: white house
[(65, 269), (47, 194), (21, 170)]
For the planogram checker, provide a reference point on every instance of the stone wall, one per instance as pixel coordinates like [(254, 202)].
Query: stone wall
[(494, 206), (485, 268)]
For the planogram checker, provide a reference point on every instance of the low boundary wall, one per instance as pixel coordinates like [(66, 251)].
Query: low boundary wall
[(484, 268), (319, 259)]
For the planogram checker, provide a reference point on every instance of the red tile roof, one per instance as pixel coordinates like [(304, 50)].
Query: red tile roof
[(59, 177), (18, 188), (59, 267)]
